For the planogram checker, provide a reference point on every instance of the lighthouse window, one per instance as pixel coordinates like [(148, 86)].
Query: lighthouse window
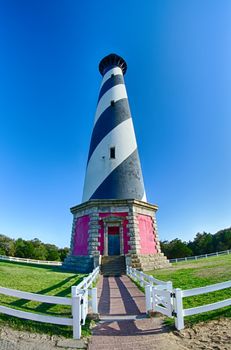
[(112, 152), (112, 103)]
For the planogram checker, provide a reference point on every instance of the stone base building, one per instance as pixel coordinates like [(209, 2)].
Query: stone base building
[(115, 227)]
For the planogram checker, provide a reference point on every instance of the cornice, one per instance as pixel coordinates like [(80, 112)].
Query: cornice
[(113, 202)]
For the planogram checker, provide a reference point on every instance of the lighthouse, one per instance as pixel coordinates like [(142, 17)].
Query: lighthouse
[(114, 225), (113, 167)]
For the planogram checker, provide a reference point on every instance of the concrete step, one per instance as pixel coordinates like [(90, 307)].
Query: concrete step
[(113, 265)]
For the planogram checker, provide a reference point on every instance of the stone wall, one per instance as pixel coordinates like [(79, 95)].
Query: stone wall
[(138, 231)]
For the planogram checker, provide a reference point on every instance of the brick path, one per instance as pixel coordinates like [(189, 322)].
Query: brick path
[(120, 299), (119, 296)]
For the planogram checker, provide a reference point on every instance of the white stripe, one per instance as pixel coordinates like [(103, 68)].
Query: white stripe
[(122, 137), (115, 71), (144, 199), (116, 93)]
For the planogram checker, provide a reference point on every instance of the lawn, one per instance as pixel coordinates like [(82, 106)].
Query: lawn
[(200, 273), (39, 279)]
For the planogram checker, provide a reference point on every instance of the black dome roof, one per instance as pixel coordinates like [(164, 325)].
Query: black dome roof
[(112, 60)]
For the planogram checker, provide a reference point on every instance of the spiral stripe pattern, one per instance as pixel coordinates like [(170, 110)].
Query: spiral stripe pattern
[(113, 167)]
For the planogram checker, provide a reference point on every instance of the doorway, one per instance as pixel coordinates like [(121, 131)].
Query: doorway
[(113, 240)]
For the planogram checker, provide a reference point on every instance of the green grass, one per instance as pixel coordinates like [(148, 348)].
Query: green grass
[(38, 279), (200, 273)]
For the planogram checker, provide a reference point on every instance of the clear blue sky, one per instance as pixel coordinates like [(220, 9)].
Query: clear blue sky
[(179, 86)]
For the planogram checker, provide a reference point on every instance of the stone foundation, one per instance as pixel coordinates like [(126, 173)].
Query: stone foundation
[(148, 262), (82, 264)]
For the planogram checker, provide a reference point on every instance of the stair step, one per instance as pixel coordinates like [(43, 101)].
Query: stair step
[(113, 265)]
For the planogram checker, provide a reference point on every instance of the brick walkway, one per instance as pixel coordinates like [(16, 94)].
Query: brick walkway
[(124, 325), (119, 296)]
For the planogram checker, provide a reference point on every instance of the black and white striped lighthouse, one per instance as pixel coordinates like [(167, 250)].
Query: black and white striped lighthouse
[(114, 219), (113, 167)]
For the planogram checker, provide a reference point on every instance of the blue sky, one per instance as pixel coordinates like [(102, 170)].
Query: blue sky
[(179, 87)]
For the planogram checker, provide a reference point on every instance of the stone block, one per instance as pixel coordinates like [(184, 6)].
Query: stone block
[(93, 231), (93, 239)]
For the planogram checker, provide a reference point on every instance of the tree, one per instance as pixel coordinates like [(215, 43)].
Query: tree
[(203, 243), (175, 249), (31, 249), (22, 249), (222, 239), (40, 253), (52, 252), (7, 246), (63, 252)]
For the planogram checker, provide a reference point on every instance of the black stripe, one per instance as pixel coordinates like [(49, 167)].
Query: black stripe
[(109, 119), (124, 182), (112, 81)]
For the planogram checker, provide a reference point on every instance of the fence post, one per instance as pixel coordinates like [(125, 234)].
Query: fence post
[(179, 320), (76, 312), (169, 286), (84, 306), (148, 297), (154, 290), (94, 300), (141, 280)]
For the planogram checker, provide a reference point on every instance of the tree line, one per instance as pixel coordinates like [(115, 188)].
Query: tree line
[(203, 243), (31, 249)]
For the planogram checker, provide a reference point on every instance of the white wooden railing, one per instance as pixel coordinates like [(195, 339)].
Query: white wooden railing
[(143, 279), (79, 302), (160, 296), (30, 261), (197, 257), (149, 283), (179, 294)]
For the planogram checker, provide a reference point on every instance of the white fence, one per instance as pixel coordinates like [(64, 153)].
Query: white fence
[(30, 261), (161, 297), (151, 294), (144, 279), (197, 257), (79, 302), (179, 294)]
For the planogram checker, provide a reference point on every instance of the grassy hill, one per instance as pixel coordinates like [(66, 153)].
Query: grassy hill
[(200, 273), (39, 279)]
